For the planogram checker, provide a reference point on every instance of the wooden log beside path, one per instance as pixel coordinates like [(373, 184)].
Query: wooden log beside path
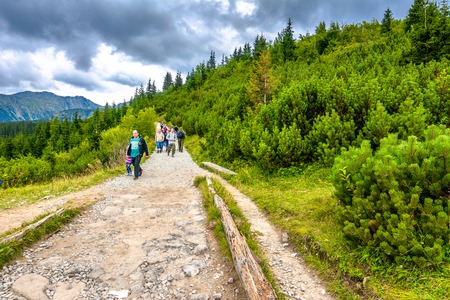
[(256, 285), (218, 168), (18, 235)]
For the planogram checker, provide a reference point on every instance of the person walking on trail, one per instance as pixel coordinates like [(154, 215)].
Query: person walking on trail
[(136, 150), (165, 132), (180, 139), (159, 139), (172, 138), (128, 162)]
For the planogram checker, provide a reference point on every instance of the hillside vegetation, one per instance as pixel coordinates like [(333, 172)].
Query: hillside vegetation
[(362, 109), (370, 101)]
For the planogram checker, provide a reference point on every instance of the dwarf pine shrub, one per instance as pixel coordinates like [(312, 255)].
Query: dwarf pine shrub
[(396, 201)]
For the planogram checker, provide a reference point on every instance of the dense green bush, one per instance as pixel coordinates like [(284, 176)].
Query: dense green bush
[(24, 170), (377, 126), (328, 135), (396, 201)]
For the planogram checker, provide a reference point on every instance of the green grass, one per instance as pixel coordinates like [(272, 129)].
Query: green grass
[(20, 196), (302, 203), (213, 216)]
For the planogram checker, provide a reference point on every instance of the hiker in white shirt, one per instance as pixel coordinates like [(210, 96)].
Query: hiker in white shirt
[(172, 138)]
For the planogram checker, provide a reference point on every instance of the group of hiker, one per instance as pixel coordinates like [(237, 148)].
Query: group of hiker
[(169, 137), (165, 136)]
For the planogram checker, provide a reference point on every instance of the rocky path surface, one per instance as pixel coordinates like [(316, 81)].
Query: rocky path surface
[(147, 239)]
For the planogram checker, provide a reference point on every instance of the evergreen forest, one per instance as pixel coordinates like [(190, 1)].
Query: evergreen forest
[(370, 102)]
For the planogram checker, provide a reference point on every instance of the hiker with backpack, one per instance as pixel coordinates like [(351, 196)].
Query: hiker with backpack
[(180, 139), (136, 150), (172, 138)]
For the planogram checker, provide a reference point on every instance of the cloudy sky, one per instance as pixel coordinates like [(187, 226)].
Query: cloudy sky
[(104, 49)]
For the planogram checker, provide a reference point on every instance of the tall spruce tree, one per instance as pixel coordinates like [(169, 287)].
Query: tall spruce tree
[(386, 23), (284, 44), (168, 81), (259, 45), (211, 64), (178, 80), (149, 89), (428, 27), (247, 52)]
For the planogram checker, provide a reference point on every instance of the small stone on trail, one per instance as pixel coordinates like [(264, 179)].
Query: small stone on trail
[(119, 294), (284, 237)]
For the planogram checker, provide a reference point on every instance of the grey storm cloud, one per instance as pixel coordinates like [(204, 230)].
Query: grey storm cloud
[(125, 80), (78, 79), (153, 31), (164, 32)]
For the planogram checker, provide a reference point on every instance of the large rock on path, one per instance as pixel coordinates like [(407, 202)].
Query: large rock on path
[(31, 286)]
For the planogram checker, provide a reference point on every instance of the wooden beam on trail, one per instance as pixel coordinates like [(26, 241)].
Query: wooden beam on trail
[(256, 285), (21, 233), (217, 168)]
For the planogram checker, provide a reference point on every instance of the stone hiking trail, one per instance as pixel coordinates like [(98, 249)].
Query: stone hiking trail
[(145, 239)]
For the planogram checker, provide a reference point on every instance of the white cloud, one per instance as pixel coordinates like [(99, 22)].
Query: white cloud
[(112, 68), (112, 78), (245, 8), (229, 39)]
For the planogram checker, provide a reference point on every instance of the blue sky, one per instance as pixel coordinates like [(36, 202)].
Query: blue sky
[(103, 49)]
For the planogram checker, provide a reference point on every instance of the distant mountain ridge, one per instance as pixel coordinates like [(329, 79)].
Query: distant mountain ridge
[(33, 106)]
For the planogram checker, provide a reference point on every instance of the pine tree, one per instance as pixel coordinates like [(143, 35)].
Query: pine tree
[(7, 148), (321, 41), (386, 23), (178, 80), (223, 59), (261, 81), (65, 133), (40, 138), (211, 64), (55, 132), (247, 52), (149, 89), (94, 132), (141, 90), (154, 89), (284, 45), (168, 81), (77, 123), (259, 45), (429, 30)]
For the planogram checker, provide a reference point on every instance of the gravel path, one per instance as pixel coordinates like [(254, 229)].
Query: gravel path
[(147, 239)]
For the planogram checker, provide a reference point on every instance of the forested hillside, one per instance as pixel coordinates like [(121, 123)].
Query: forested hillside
[(370, 101), (38, 152)]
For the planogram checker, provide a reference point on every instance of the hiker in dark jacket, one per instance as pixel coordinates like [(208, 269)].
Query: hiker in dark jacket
[(136, 150), (180, 139)]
